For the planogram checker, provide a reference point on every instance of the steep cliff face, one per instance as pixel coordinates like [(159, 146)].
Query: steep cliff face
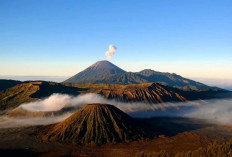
[(149, 93), (94, 123)]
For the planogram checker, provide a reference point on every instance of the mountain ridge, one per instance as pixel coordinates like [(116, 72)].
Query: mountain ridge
[(106, 72), (144, 92)]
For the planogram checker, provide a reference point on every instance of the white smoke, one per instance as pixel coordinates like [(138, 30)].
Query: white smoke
[(110, 52)]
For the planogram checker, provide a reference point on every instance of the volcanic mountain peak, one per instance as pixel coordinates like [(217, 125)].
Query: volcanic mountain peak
[(97, 71), (104, 64), (94, 123)]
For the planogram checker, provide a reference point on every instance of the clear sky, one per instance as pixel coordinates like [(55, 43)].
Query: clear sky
[(192, 38)]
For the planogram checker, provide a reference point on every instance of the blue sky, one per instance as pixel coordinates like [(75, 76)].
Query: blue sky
[(192, 38)]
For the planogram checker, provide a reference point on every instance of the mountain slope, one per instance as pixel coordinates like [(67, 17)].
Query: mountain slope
[(125, 78), (148, 92), (16, 95), (96, 71), (31, 91), (94, 123), (172, 80)]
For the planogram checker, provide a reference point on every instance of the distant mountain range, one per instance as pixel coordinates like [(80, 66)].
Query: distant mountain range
[(106, 72)]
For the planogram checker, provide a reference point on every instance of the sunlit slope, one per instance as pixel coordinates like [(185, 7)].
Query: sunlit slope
[(147, 92), (27, 92), (94, 123), (16, 95)]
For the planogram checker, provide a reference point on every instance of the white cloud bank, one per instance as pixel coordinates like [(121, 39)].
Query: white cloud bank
[(217, 111), (58, 101)]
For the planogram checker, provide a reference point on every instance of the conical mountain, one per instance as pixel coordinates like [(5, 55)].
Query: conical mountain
[(97, 71), (94, 123)]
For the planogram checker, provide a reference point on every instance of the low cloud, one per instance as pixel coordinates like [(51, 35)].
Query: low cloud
[(53, 103), (58, 101), (10, 122), (218, 111)]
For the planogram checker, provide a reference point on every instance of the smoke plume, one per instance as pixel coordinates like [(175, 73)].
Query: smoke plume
[(110, 52)]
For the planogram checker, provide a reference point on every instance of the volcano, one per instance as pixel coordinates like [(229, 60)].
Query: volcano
[(94, 124), (108, 73), (97, 71)]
